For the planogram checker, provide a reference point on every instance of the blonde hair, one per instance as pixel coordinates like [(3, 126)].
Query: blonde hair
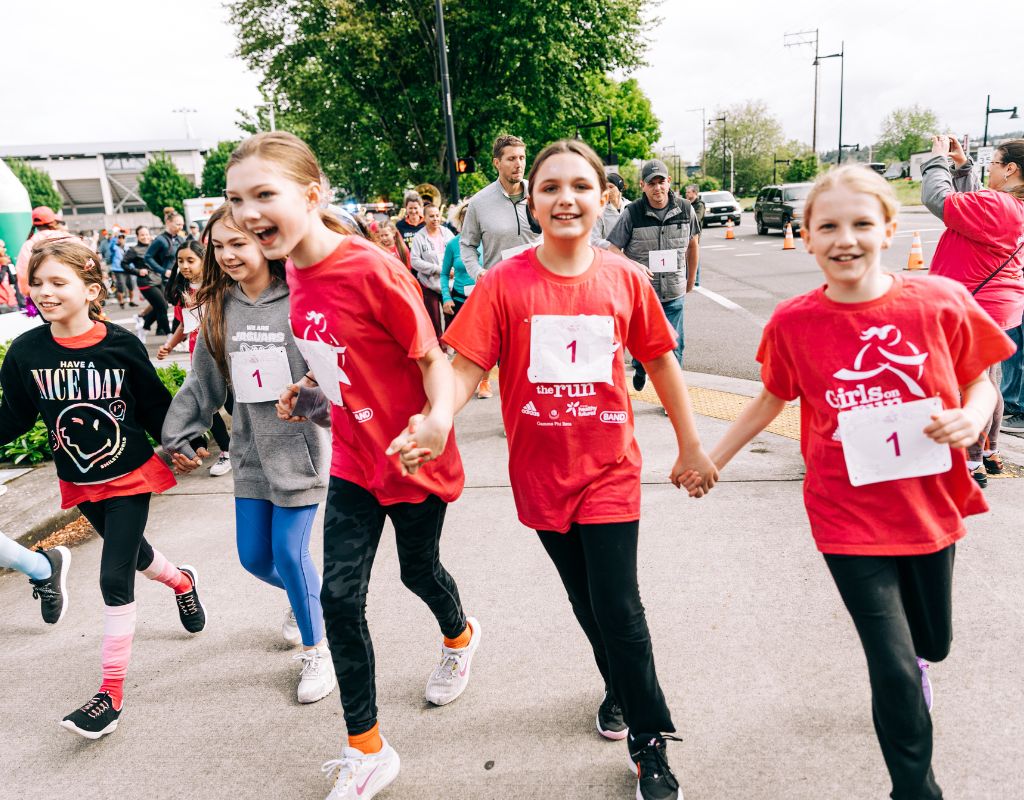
[(74, 255), (286, 150), (857, 178)]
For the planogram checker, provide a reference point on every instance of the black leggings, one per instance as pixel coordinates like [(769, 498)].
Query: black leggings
[(158, 313), (902, 608), (353, 523), (219, 429), (121, 522), (597, 565)]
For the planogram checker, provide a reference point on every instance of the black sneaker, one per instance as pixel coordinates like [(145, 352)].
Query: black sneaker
[(52, 592), (993, 463), (639, 380), (95, 719), (610, 723), (980, 476), (655, 780), (190, 609), (1013, 423)]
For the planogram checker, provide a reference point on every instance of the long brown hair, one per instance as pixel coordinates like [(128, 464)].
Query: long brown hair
[(72, 253), (212, 295)]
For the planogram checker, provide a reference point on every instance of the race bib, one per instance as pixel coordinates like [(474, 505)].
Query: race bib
[(663, 260), (508, 252), (322, 360), (577, 349), (468, 289), (190, 319), (886, 443), (259, 376)]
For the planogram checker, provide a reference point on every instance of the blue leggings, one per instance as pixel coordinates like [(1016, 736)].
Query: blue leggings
[(273, 544)]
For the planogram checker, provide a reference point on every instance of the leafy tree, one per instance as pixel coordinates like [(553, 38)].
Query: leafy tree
[(750, 138), (906, 131), (161, 185), (38, 184), (213, 169), (634, 126), (705, 183), (803, 168), (358, 79)]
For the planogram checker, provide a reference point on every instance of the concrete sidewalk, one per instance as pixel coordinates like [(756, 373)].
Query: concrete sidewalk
[(755, 652)]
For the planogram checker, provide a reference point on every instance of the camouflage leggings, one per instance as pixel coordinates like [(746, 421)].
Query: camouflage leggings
[(353, 523)]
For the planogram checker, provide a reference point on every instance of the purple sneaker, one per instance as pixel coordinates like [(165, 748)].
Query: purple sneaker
[(926, 685)]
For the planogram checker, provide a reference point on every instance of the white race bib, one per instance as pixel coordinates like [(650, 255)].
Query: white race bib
[(508, 252), (468, 289), (577, 349), (886, 443), (259, 376), (190, 319), (322, 360), (663, 260)]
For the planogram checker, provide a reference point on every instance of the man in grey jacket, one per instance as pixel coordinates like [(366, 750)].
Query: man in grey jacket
[(661, 233)]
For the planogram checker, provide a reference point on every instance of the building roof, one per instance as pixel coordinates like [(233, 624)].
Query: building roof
[(81, 149)]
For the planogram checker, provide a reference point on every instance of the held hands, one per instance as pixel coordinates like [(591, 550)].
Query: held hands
[(448, 307), (957, 427), (423, 440), (163, 352), (286, 404), (694, 471), (183, 465)]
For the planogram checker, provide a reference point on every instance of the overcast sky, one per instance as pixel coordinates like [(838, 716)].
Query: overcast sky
[(112, 71)]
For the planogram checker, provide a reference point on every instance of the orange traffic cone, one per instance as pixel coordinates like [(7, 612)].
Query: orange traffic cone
[(916, 259), (788, 243), (729, 233)]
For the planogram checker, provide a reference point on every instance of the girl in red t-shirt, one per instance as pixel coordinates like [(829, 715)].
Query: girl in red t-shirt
[(358, 318), (574, 462), (880, 364)]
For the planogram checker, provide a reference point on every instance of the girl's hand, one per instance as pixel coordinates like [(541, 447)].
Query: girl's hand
[(957, 427), (695, 472), (410, 455), (183, 465), (940, 145), (163, 352), (448, 307), (286, 403)]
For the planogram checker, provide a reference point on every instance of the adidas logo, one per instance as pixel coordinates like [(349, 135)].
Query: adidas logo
[(531, 410)]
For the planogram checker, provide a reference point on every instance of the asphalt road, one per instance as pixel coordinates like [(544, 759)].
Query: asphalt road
[(749, 276)]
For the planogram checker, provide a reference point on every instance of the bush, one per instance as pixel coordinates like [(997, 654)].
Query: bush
[(172, 376), (34, 446), (705, 183)]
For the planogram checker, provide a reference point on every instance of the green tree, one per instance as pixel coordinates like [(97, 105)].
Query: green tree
[(213, 169), (358, 79), (749, 139), (634, 127), (38, 184), (906, 131), (803, 168), (161, 185)]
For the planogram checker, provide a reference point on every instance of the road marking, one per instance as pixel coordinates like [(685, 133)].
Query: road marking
[(714, 247), (745, 255), (725, 302)]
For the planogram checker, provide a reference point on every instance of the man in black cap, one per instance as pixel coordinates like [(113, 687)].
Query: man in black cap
[(660, 232)]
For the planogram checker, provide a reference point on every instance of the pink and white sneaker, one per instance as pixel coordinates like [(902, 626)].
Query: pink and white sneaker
[(362, 775), (451, 676)]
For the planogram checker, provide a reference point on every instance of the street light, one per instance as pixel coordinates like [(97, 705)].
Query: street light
[(989, 110), (841, 55), (703, 138), (775, 164), (185, 112), (605, 123), (725, 137), (854, 147)]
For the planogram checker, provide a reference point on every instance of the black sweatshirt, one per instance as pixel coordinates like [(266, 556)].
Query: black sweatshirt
[(98, 402)]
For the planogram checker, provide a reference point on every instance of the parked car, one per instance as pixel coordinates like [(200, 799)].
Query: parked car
[(779, 205), (720, 207)]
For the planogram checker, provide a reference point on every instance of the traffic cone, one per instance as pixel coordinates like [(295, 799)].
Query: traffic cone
[(788, 243), (729, 233), (916, 259)]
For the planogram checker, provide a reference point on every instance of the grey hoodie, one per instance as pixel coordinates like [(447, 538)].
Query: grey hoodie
[(493, 218), (286, 463)]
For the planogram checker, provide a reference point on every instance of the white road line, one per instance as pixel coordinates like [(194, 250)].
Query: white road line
[(745, 255), (714, 247), (725, 302)]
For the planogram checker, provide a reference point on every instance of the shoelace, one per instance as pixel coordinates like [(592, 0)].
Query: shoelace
[(346, 767), (652, 762), (97, 705), (187, 602), (311, 662), (448, 667), (46, 592)]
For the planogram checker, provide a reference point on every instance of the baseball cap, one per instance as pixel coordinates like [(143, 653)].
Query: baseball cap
[(616, 179), (41, 215), (654, 169)]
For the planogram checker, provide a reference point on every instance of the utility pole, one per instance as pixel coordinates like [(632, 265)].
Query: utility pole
[(703, 138), (841, 55), (446, 91), (804, 38)]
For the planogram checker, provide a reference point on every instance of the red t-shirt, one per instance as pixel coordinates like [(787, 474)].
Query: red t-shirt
[(366, 303), (153, 476), (982, 231), (179, 314), (811, 340), (572, 453)]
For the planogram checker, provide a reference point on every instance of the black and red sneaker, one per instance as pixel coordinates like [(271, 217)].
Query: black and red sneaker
[(655, 780), (96, 718), (190, 609)]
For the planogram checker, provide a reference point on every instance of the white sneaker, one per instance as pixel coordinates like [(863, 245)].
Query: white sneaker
[(317, 679), (450, 678), (290, 629), (222, 466), (362, 776), (140, 329)]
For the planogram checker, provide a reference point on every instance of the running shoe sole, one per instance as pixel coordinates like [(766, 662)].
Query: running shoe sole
[(65, 564), (615, 736), (68, 725)]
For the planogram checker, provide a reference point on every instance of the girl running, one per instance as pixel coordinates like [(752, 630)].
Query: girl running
[(246, 345), (358, 317), (574, 462), (98, 394), (880, 364)]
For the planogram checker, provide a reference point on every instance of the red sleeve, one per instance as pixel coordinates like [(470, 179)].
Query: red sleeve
[(398, 307), (476, 332), (177, 313), (975, 342), (649, 335), (777, 369), (982, 216)]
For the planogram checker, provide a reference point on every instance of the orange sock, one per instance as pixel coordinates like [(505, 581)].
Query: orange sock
[(460, 641), (368, 742)]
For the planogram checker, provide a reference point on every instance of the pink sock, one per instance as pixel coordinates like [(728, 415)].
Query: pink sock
[(118, 632), (166, 573)]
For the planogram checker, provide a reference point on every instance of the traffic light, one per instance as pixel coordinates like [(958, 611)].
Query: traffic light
[(465, 165)]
